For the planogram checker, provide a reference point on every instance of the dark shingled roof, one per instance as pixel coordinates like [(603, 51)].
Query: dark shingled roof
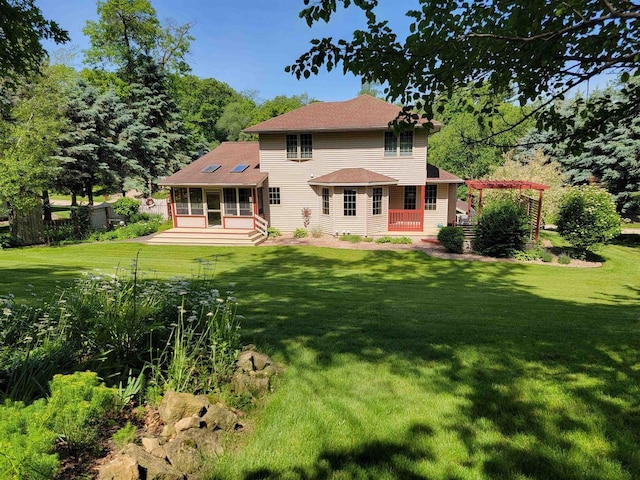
[(353, 176), (361, 113), (438, 175), (228, 155)]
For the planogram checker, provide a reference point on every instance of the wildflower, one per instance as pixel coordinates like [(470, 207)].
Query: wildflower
[(220, 300), (6, 312), (210, 314), (232, 284)]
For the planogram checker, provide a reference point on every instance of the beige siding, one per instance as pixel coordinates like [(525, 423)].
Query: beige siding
[(438, 216), (331, 152), (377, 223), (353, 225), (453, 197)]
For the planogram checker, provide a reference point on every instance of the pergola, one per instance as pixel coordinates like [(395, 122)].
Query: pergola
[(521, 185)]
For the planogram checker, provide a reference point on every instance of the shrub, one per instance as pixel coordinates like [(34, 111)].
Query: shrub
[(383, 240), (8, 241), (502, 230), (316, 232), (273, 232), (125, 435), (351, 238), (564, 259), (587, 218), (300, 233), (452, 238), (401, 241), (546, 257), (126, 206)]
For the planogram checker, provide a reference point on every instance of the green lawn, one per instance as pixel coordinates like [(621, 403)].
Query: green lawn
[(401, 366)]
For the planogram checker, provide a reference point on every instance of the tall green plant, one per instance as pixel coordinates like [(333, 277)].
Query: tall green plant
[(502, 229), (587, 218)]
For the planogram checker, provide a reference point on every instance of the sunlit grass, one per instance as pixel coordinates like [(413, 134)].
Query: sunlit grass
[(399, 365)]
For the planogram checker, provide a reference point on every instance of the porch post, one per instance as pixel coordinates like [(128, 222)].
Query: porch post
[(421, 198), (480, 203), (174, 217)]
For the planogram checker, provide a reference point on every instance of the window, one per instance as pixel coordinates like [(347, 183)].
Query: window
[(274, 195), (349, 203), (325, 201), (430, 197), (410, 197), (391, 144), (230, 201), (195, 201), (188, 201), (406, 144), (377, 201), (299, 146), (181, 198)]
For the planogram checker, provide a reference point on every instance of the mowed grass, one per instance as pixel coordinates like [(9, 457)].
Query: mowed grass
[(401, 366)]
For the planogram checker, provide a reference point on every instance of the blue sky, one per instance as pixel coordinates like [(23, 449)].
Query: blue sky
[(245, 43)]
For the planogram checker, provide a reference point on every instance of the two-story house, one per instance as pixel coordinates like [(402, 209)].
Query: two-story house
[(340, 161)]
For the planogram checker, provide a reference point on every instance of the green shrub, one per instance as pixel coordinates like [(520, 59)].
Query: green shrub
[(126, 206), (587, 218), (300, 233), (546, 257), (401, 241), (384, 240), (125, 435), (351, 238), (564, 259), (316, 232), (273, 232), (8, 241), (452, 239), (502, 229)]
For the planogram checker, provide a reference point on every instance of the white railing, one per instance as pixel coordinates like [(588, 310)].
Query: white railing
[(261, 225)]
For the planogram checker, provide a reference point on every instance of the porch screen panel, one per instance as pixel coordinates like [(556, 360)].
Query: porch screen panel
[(244, 195), (195, 198), (181, 197), (230, 201)]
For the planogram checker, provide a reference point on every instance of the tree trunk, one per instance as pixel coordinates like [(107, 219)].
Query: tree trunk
[(46, 206), (89, 190), (74, 199)]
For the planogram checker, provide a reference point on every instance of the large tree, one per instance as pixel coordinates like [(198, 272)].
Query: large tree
[(22, 27), (128, 30), (538, 48)]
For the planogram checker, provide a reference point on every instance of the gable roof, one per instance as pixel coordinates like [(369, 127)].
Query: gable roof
[(361, 113), (438, 175), (228, 155), (353, 177)]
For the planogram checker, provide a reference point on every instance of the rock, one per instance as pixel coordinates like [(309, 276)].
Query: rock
[(153, 468), (122, 467), (249, 361), (218, 416), (152, 446), (168, 431), (187, 423), (254, 385), (175, 406), (191, 449)]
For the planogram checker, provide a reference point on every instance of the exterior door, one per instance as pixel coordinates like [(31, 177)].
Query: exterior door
[(214, 212)]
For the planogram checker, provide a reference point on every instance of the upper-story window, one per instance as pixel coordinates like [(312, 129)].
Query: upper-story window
[(299, 146), (392, 141)]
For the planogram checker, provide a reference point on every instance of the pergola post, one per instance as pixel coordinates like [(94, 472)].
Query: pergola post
[(539, 215)]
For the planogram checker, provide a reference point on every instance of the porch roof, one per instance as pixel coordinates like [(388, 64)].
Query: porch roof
[(357, 177), (226, 157), (438, 175)]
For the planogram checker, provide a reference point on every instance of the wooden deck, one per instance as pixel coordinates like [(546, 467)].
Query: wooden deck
[(207, 237)]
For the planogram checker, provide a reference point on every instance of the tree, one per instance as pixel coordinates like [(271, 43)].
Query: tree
[(459, 146), (201, 102), (235, 117), (29, 141), (610, 160), (538, 49), (279, 105), (502, 229), (538, 168), (587, 218), (23, 27), (128, 30)]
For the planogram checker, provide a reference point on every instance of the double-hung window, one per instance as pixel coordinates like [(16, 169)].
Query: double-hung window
[(430, 197), (325, 201), (398, 145), (299, 146), (349, 202), (377, 201)]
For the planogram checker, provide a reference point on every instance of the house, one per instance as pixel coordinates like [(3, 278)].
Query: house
[(339, 160)]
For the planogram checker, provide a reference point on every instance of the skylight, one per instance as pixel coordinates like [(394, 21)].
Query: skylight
[(240, 168), (210, 168)]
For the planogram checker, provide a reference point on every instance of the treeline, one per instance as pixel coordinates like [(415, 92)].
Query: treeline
[(132, 116)]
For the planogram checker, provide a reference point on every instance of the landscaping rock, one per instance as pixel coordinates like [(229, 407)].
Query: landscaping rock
[(176, 406), (122, 467), (250, 383), (250, 361), (191, 448), (152, 446), (195, 421), (218, 416), (134, 463)]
